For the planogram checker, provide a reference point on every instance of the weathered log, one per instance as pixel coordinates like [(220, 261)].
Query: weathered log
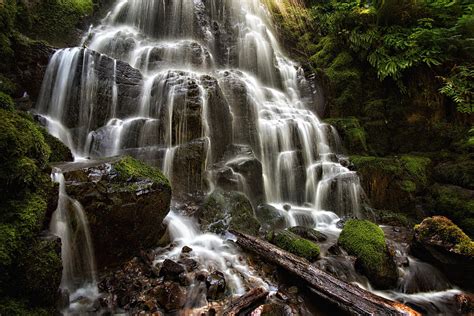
[(246, 301), (347, 297)]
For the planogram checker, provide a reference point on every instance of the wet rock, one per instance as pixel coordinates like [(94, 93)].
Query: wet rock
[(228, 210), (216, 285), (465, 303), (336, 250), (270, 217), (440, 242), (170, 296), (240, 170), (190, 264), (308, 233), (186, 249), (171, 270), (287, 207), (125, 202), (274, 309)]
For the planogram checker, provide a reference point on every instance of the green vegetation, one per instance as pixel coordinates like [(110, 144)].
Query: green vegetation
[(59, 151), (366, 241), (6, 102), (440, 230), (351, 132), (296, 245), (31, 267), (129, 167)]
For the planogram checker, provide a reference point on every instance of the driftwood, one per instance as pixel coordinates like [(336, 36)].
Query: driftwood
[(246, 301), (347, 297)]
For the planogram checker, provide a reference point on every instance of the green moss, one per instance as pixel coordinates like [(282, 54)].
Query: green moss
[(454, 202), (6, 85), (366, 241), (59, 151), (351, 132), (296, 245), (6, 102), (459, 173), (416, 167), (129, 167), (439, 229), (23, 154)]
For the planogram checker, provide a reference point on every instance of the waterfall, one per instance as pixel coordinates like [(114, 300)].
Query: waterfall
[(69, 222), (195, 88), (210, 70)]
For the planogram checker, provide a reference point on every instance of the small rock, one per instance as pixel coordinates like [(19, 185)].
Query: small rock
[(201, 276), (171, 270), (216, 285), (287, 207), (465, 303), (170, 296), (189, 263), (336, 250), (281, 296), (186, 249)]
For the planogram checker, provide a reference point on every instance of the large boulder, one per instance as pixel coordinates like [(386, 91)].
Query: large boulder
[(125, 202), (441, 242), (270, 217), (366, 241), (228, 210)]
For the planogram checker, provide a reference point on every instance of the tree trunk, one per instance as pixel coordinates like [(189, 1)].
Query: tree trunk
[(346, 296), (246, 301)]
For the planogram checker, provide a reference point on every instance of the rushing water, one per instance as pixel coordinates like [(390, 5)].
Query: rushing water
[(202, 90)]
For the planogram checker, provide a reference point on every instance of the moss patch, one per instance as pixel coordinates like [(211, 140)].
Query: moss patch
[(291, 242), (352, 133), (441, 230), (129, 167), (366, 241), (59, 151), (6, 102)]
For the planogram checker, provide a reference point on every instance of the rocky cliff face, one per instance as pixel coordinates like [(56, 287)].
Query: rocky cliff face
[(125, 202)]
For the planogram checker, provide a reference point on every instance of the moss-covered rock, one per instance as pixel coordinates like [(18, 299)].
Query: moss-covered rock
[(308, 233), (454, 202), (23, 155), (228, 210), (59, 151), (439, 241), (460, 173), (12, 306), (293, 243), (30, 269), (394, 182), (125, 202), (270, 217), (366, 241), (351, 132)]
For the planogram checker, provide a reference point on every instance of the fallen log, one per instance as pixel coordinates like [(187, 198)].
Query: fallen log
[(246, 301), (347, 297)]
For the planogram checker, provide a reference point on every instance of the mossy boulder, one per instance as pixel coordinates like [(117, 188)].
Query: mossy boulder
[(270, 217), (439, 241), (125, 202), (59, 151), (394, 183), (351, 132), (222, 211), (460, 173), (454, 202), (366, 241), (293, 243)]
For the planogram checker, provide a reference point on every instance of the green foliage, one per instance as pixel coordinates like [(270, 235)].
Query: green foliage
[(13, 307), (441, 230), (6, 102), (59, 151), (459, 86), (129, 167), (459, 173), (291, 242)]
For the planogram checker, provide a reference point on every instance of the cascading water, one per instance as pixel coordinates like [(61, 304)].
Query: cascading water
[(69, 222), (202, 90)]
